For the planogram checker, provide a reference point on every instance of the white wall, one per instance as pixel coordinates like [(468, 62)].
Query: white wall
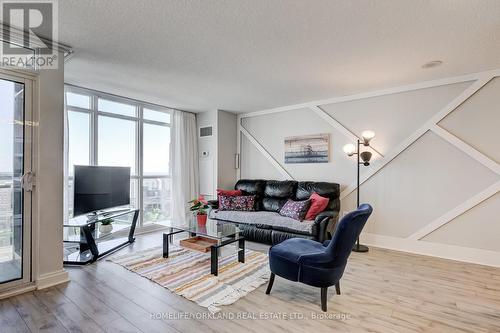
[(217, 169), (208, 145), (226, 149), (435, 184)]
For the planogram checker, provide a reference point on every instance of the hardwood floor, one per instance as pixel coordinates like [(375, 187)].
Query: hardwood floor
[(382, 291)]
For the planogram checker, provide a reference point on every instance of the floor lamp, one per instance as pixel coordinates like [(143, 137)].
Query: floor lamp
[(363, 158)]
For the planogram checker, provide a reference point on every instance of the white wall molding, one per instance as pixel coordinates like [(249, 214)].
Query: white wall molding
[(238, 145), (466, 148), (338, 126), (427, 126), (266, 154), (455, 212), (51, 279), (389, 91), (415, 243), (334, 123), (481, 78), (453, 252)]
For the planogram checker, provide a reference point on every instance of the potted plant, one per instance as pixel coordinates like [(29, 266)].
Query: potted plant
[(106, 227), (199, 207)]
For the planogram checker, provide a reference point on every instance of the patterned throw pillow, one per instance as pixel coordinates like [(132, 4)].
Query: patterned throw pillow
[(240, 203), (295, 209)]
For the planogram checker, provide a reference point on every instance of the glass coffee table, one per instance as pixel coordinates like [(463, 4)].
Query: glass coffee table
[(223, 233)]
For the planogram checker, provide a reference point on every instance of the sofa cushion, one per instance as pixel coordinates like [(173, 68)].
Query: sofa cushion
[(264, 219), (237, 203), (297, 210), (229, 193), (276, 193), (254, 187), (251, 186), (318, 204), (273, 204), (280, 189), (328, 190)]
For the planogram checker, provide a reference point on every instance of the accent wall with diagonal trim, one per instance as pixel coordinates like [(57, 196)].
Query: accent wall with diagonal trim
[(435, 177)]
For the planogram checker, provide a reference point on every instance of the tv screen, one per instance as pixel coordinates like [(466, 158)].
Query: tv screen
[(99, 187)]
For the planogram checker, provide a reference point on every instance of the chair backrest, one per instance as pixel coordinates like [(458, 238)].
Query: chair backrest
[(348, 231)]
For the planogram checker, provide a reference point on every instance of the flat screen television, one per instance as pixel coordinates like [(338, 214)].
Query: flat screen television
[(100, 187)]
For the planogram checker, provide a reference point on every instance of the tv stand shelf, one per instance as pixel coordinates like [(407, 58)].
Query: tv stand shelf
[(87, 243)]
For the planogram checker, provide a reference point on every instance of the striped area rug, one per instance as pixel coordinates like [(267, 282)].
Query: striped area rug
[(187, 273)]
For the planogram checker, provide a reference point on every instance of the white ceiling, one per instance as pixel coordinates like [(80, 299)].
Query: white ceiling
[(247, 55)]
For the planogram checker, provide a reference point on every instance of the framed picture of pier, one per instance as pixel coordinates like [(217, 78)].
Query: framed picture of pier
[(307, 149)]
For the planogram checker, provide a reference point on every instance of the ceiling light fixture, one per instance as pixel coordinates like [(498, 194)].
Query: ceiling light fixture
[(432, 64)]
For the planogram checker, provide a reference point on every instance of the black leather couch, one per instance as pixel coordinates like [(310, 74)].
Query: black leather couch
[(265, 225)]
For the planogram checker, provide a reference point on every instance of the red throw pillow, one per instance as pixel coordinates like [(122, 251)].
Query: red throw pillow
[(229, 193), (318, 204)]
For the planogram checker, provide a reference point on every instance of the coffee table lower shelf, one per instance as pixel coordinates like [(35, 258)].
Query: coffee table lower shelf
[(214, 249)]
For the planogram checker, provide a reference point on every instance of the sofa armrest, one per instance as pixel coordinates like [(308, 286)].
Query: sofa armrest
[(325, 222), (213, 204)]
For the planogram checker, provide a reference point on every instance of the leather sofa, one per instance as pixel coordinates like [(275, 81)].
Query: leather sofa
[(265, 225)]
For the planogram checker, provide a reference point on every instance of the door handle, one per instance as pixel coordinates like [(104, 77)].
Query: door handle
[(28, 181)]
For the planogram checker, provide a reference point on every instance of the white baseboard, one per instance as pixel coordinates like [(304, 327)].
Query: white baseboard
[(459, 253), (52, 279), (17, 291)]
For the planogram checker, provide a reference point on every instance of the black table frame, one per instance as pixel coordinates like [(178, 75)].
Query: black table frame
[(214, 249), (89, 243)]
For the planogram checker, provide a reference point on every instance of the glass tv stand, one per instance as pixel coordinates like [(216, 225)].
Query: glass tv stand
[(88, 238)]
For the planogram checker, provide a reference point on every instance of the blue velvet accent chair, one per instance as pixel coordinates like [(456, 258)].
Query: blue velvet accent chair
[(315, 264)]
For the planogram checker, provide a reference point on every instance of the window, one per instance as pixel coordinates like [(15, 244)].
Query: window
[(156, 194), (157, 116), (78, 145), (80, 101), (118, 108), (117, 143), (79, 141), (114, 131), (156, 152), (156, 168)]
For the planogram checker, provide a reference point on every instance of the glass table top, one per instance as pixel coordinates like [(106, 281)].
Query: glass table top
[(84, 220), (213, 228)]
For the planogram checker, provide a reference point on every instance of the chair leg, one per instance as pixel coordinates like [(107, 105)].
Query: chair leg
[(337, 288), (270, 285), (324, 294)]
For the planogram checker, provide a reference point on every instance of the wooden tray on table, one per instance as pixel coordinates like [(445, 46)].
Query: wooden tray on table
[(198, 243)]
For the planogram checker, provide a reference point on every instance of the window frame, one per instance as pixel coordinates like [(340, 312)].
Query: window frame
[(139, 133)]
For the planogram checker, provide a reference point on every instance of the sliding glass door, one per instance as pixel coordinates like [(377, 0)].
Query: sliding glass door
[(15, 200)]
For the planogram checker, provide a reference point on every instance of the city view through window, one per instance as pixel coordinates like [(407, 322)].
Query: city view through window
[(11, 170), (110, 131)]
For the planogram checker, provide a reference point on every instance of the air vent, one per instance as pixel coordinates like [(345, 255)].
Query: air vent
[(205, 131)]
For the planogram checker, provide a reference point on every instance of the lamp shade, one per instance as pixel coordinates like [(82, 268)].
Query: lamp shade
[(367, 136), (365, 157), (349, 149)]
